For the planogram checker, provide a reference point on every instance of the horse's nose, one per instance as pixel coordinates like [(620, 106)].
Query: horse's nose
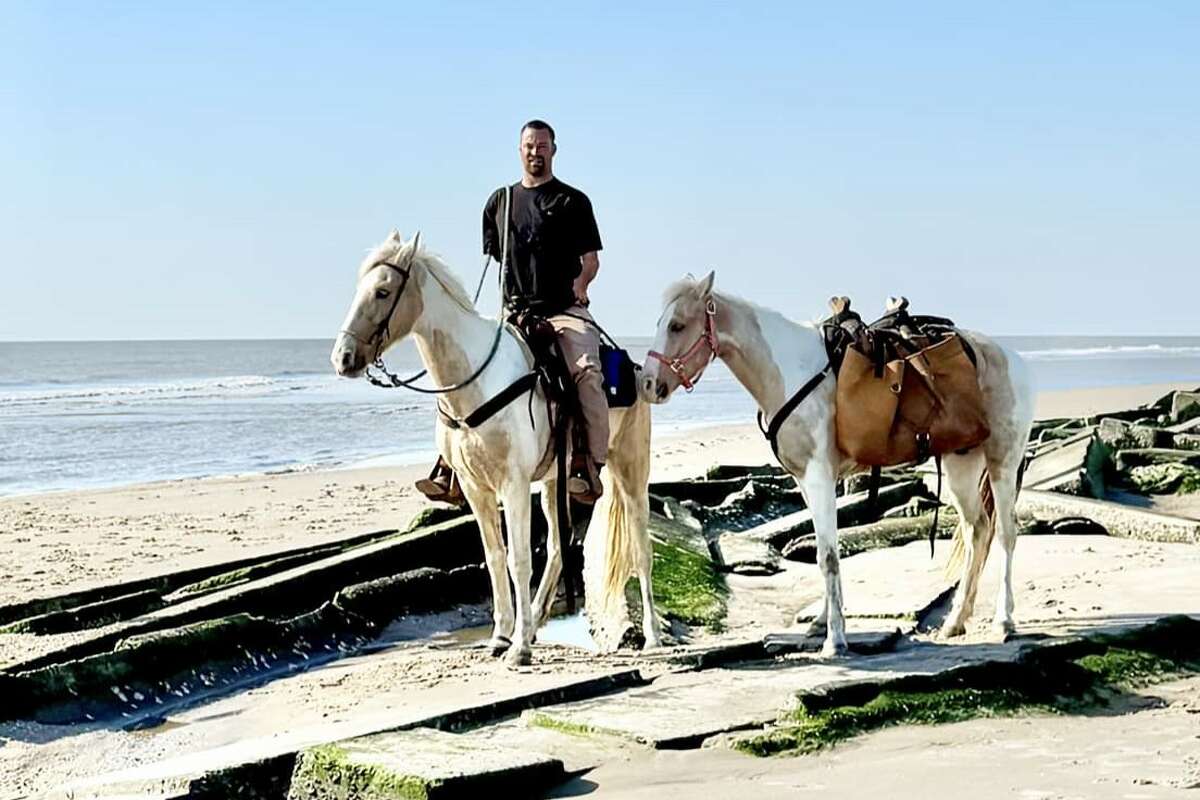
[(347, 358), (661, 391)]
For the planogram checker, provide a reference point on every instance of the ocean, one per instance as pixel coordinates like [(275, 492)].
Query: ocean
[(90, 414)]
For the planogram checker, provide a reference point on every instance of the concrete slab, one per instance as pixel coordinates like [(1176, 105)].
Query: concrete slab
[(284, 593), (1065, 586), (682, 710), (223, 741), (421, 763)]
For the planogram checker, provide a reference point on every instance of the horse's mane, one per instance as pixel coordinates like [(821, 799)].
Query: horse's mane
[(442, 274), (423, 259), (689, 283), (676, 289)]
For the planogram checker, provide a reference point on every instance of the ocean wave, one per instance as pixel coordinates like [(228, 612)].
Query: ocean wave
[(1112, 351), (234, 386)]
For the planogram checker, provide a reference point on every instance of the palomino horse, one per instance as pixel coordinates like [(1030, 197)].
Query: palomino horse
[(774, 357), (403, 290)]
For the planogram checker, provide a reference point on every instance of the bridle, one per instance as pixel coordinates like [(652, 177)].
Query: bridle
[(379, 338), (707, 338), (383, 331)]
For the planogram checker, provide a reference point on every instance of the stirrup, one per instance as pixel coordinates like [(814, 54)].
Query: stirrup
[(442, 486), (584, 484)]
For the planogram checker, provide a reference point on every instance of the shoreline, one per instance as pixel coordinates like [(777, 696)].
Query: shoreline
[(68, 540)]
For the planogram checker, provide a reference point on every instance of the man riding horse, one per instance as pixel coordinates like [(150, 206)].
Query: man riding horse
[(551, 260)]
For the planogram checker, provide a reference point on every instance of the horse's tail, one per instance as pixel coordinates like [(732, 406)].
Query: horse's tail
[(958, 553), (625, 506)]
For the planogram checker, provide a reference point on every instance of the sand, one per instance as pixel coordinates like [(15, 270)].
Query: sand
[(65, 541), (57, 542)]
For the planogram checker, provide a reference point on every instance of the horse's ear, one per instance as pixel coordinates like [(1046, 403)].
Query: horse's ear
[(394, 236), (410, 250), (704, 288)]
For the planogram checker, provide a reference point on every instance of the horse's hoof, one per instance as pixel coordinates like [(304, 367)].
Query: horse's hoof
[(832, 649), (1004, 628), (518, 657), (498, 646), (951, 631)]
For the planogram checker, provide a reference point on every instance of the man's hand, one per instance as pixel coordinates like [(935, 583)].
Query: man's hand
[(589, 265), (581, 294)]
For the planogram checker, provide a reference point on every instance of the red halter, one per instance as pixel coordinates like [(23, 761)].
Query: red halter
[(708, 337)]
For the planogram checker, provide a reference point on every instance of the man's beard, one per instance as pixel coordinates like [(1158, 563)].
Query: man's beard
[(536, 167)]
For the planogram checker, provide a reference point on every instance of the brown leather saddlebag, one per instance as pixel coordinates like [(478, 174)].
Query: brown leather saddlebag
[(926, 403)]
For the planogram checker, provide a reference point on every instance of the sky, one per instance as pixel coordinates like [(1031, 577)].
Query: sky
[(218, 169)]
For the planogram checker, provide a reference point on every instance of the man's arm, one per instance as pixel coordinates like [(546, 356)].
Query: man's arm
[(491, 236), (589, 246), (589, 265)]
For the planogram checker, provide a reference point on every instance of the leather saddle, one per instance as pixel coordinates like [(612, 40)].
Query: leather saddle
[(907, 386)]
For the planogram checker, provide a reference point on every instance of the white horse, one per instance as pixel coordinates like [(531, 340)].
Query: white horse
[(773, 357), (403, 290)]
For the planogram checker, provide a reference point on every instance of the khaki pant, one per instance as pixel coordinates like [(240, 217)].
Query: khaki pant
[(580, 344)]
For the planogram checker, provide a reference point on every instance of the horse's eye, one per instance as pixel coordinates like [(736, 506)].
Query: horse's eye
[(381, 294), (675, 327)]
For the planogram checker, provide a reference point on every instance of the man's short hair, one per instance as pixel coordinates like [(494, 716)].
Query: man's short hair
[(539, 125)]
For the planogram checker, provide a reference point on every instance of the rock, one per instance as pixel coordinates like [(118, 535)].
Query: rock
[(745, 555), (1186, 441), (915, 507), (1057, 434), (861, 481), (413, 591), (874, 536), (1119, 520), (852, 509), (1185, 406), (1076, 468), (1119, 435), (1169, 478), (724, 471), (1191, 426), (1128, 459)]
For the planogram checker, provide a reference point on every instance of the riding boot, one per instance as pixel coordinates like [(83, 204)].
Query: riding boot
[(442, 485), (584, 484)]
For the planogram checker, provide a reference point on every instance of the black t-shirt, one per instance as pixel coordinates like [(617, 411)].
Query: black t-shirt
[(552, 225)]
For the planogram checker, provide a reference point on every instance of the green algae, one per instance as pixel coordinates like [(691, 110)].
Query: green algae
[(329, 773), (688, 587), (1052, 683), (1166, 479), (806, 732), (538, 719)]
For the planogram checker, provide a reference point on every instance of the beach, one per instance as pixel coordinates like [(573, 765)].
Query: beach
[(56, 542)]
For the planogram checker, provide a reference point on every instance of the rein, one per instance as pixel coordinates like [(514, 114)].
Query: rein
[(707, 338)]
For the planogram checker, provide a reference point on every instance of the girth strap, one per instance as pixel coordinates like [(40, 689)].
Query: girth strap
[(771, 431), (492, 406)]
